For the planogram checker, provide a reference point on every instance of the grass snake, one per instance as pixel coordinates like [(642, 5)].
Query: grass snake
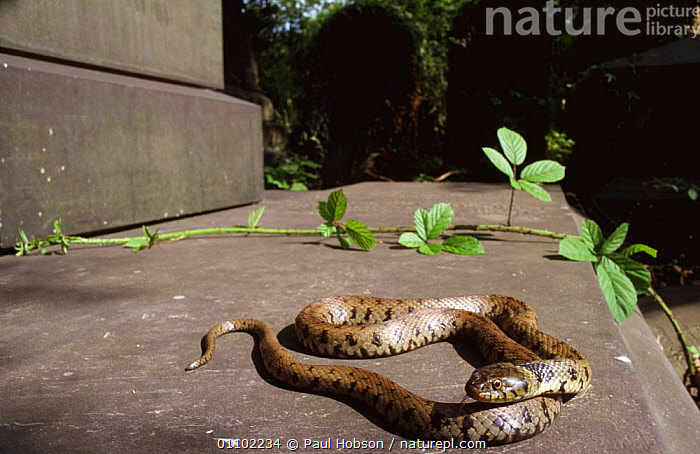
[(517, 395)]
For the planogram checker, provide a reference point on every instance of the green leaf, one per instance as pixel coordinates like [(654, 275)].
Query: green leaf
[(280, 184), (326, 229), (152, 236), (545, 171), (513, 144), (515, 184), (574, 248), (430, 248), (431, 224), (592, 234), (420, 222), (137, 244), (439, 217), (334, 208), (254, 217), (22, 246), (298, 186), (693, 193), (360, 234), (535, 190), (499, 161), (465, 245), (635, 271), (617, 289), (635, 248), (410, 240), (615, 240)]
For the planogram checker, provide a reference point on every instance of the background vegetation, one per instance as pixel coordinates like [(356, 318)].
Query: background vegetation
[(290, 26)]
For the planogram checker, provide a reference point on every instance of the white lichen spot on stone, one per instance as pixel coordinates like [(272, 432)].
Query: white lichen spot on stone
[(43, 149), (624, 359), (42, 171), (40, 214), (50, 132), (68, 374), (4, 65), (106, 335), (179, 297), (63, 168), (48, 179)]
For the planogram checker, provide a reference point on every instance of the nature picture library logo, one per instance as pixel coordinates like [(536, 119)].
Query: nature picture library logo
[(630, 21)]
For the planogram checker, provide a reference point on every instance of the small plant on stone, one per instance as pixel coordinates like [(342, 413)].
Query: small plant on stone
[(333, 210), (430, 225), (620, 277), (531, 177)]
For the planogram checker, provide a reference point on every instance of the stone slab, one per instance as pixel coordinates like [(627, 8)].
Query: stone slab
[(172, 39), (100, 150), (93, 344)]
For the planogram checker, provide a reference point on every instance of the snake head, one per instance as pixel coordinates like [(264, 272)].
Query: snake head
[(500, 382)]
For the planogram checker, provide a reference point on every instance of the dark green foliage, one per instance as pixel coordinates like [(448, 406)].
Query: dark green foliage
[(295, 173), (287, 63), (620, 277), (363, 78)]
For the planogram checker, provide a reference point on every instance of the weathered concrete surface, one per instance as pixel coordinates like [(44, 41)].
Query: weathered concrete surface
[(94, 343), (101, 151), (173, 39)]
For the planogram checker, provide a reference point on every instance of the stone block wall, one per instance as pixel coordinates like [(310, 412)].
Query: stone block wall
[(109, 119)]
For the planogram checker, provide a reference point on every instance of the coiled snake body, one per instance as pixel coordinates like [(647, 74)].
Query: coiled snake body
[(529, 363)]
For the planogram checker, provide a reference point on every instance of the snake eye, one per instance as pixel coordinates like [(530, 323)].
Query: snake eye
[(496, 384)]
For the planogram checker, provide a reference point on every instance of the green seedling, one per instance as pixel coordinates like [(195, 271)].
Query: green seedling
[(332, 211), (430, 225), (531, 177)]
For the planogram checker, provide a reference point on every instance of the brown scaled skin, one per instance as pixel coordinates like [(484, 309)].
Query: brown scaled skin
[(363, 327), (497, 383)]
